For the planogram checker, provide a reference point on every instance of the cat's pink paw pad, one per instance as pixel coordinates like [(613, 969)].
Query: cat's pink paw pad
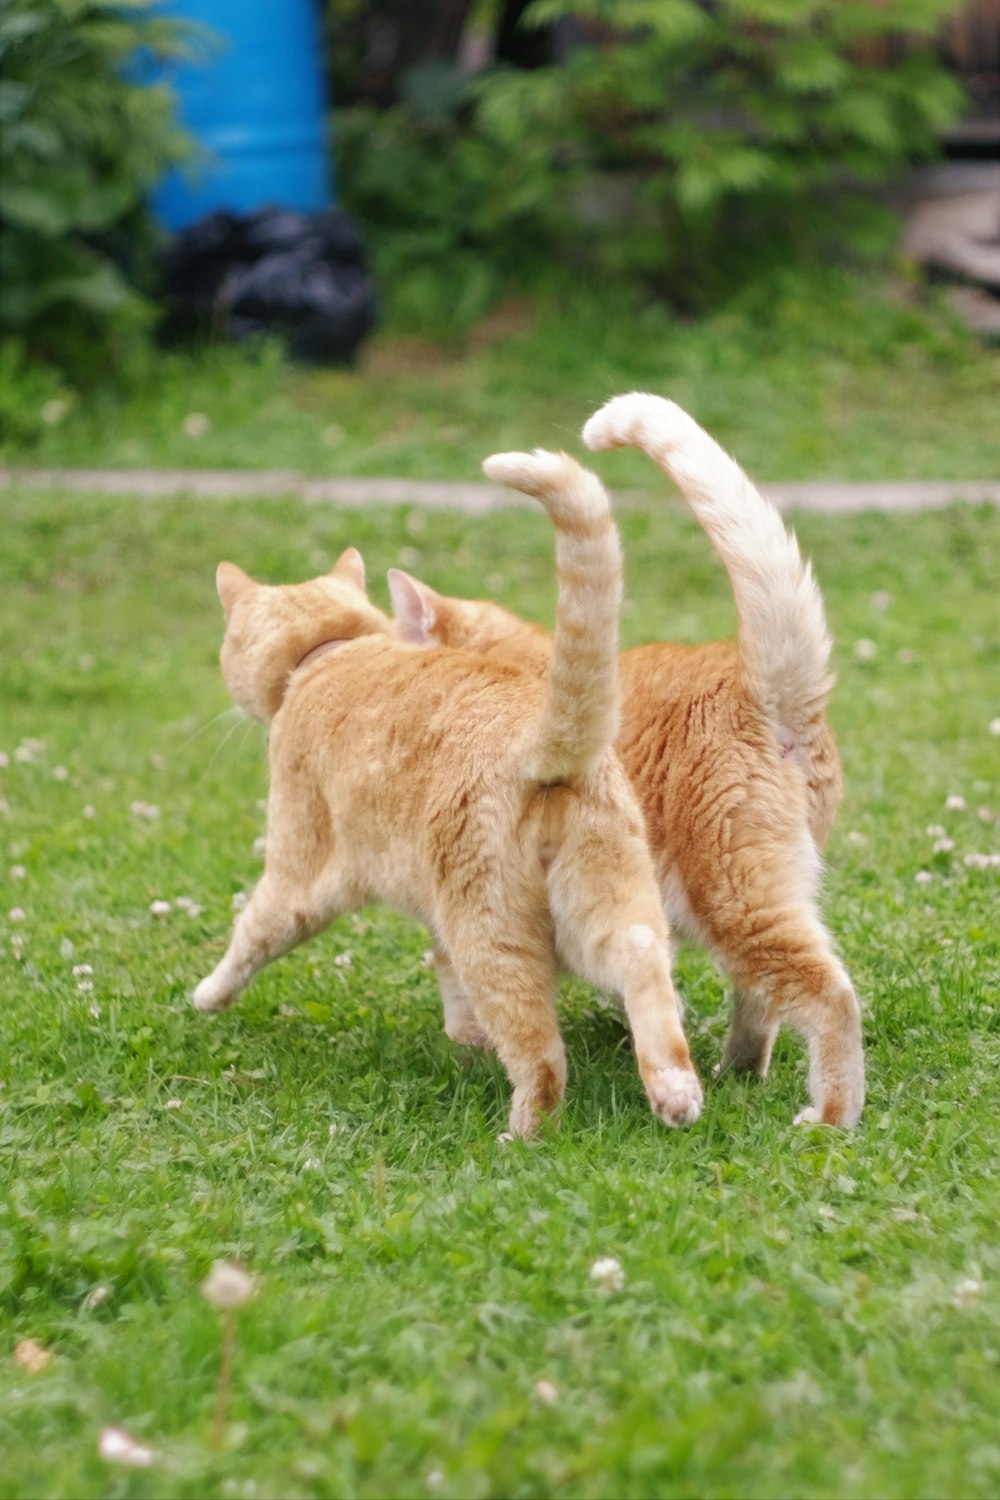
[(676, 1096)]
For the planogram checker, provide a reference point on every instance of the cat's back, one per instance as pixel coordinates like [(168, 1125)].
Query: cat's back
[(380, 697)]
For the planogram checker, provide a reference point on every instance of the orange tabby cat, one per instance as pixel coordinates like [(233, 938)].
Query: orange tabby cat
[(730, 753), (479, 797)]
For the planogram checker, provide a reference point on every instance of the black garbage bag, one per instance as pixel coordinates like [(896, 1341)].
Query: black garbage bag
[(302, 276)]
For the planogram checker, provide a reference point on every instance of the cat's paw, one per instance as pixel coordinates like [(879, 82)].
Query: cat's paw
[(808, 1116), (676, 1097), (211, 995), (468, 1033)]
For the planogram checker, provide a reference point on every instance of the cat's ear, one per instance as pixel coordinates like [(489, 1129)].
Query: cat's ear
[(350, 566), (415, 607), (231, 582)]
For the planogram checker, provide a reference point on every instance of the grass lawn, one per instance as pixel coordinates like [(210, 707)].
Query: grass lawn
[(804, 1312), (806, 377)]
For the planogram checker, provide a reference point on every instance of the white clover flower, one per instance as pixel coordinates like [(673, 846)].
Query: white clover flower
[(159, 908), (53, 411), (856, 838), (147, 810), (954, 803), (116, 1447), (90, 811), (227, 1285), (984, 814), (96, 1296), (882, 599), (966, 1291), (32, 1356), (17, 914), (995, 726), (935, 831), (312, 1164), (60, 773), (923, 877), (976, 861), (80, 971), (4, 760), (94, 1011), (865, 650), (66, 949), (17, 872), (943, 846), (607, 1275), (260, 846), (547, 1392), (343, 961), (86, 662), (239, 901), (85, 987), (174, 1104), (195, 424), (427, 959), (906, 656), (24, 754)]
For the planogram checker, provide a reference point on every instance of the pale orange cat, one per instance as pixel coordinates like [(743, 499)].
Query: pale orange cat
[(730, 753), (482, 798)]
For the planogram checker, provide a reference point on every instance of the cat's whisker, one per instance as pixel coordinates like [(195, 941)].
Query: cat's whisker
[(227, 713), (240, 722)]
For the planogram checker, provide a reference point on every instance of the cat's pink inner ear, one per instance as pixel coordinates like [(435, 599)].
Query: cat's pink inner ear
[(413, 607), (350, 565), (231, 582)]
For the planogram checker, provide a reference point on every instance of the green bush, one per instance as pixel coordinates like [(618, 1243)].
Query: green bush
[(81, 144), (683, 145)]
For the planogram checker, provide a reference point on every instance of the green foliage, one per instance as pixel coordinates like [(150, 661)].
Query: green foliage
[(81, 143), (682, 146)]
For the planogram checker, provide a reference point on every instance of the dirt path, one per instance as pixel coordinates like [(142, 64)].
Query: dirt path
[(475, 499)]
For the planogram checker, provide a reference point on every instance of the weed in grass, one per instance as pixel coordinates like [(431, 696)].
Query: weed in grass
[(801, 1313)]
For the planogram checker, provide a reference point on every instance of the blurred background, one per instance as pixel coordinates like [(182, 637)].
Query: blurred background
[(177, 177)]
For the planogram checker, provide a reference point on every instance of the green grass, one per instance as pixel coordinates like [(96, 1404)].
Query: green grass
[(804, 377), (789, 1323)]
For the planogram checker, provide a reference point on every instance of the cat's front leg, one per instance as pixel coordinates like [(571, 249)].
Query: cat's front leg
[(274, 921)]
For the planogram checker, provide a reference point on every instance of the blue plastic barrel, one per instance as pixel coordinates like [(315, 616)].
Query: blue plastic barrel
[(257, 106)]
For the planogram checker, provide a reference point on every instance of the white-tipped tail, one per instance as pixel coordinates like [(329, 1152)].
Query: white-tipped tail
[(579, 719), (784, 647)]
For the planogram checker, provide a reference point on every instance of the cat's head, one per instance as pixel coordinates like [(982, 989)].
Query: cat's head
[(269, 630), (426, 618)]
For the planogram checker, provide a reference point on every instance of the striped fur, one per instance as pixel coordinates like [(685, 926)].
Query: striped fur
[(579, 720)]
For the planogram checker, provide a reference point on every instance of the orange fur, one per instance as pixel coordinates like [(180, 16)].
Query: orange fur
[(732, 758), (479, 797)]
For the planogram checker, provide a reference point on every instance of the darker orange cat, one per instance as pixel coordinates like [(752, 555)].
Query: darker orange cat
[(730, 753)]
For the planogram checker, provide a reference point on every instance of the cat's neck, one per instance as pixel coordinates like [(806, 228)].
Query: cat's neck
[(319, 650)]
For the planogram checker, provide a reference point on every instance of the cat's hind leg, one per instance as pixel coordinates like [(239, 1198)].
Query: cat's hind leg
[(786, 973), (460, 1024), (509, 983), (751, 1036), (274, 920), (611, 930)]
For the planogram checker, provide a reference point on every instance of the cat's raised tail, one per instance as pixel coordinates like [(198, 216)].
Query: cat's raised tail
[(784, 646), (579, 718)]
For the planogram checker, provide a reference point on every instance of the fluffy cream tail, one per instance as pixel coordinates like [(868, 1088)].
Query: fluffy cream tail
[(784, 646), (579, 719)]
